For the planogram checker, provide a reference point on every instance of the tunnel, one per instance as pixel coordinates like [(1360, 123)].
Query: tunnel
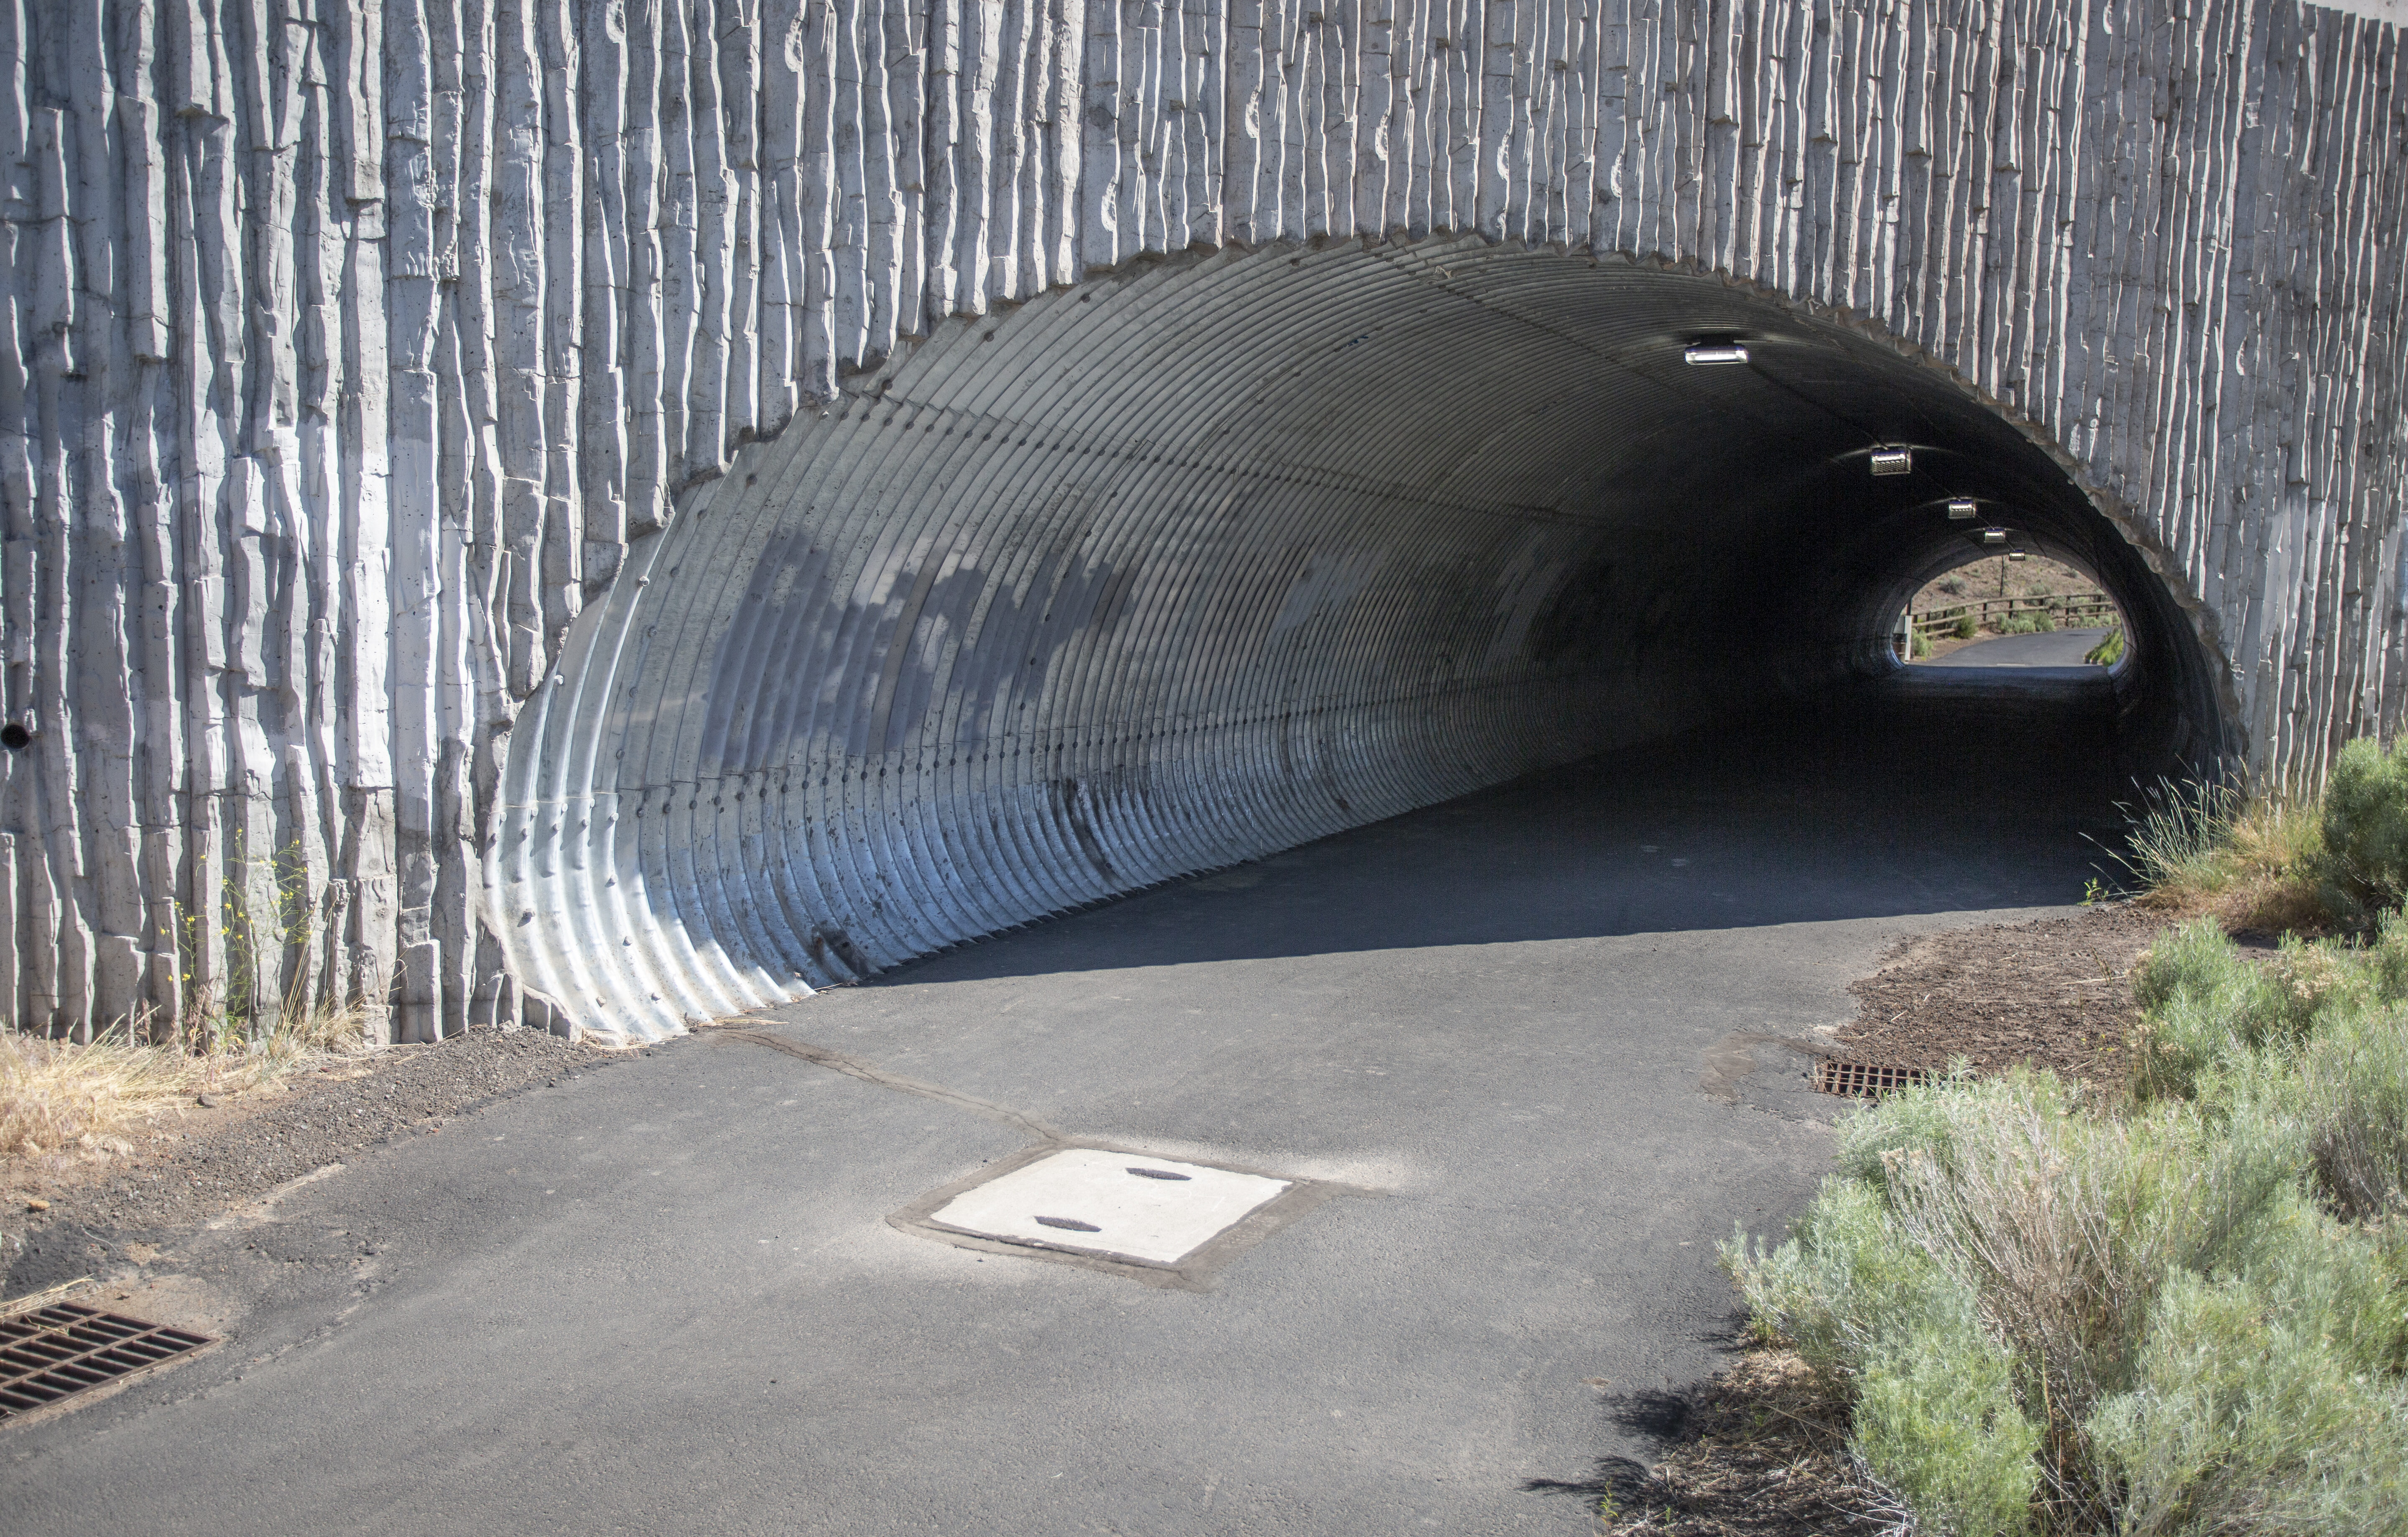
[(1214, 553)]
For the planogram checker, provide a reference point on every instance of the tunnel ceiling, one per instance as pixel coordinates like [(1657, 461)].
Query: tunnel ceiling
[(1198, 560)]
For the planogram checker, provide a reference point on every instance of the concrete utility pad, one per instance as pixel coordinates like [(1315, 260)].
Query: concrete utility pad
[(1151, 1209)]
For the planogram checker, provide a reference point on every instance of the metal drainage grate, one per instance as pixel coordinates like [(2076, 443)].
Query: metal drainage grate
[(1865, 1080), (54, 1351)]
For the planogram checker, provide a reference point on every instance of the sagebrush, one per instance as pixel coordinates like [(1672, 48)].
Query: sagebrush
[(2183, 1310)]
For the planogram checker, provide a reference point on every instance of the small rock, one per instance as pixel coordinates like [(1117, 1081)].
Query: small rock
[(208, 1102), (37, 1204)]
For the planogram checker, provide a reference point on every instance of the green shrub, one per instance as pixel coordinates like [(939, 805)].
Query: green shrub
[(2064, 1224), (2109, 651), (1936, 1419), (2202, 1006), (2386, 959), (1832, 1289), (2207, 1011), (1936, 1414), (2316, 1037), (1967, 627), (2183, 1314), (2266, 1401), (1918, 645), (2139, 1323), (2018, 623), (2351, 1095), (2365, 861), (2044, 622)]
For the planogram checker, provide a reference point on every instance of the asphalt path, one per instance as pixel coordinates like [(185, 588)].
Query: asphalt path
[(1547, 1036), (2053, 648)]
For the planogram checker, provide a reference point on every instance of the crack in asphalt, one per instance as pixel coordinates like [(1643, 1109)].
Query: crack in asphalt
[(854, 1067)]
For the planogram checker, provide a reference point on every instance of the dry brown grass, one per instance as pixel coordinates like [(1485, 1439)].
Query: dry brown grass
[(2247, 862), (57, 1097), (1764, 1454), (77, 1098)]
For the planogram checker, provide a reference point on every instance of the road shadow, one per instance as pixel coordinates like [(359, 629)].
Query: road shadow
[(1657, 1418), (1924, 794)]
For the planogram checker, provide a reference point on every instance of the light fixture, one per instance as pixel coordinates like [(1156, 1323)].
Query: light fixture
[(1994, 535), (1960, 508), (1893, 461), (2017, 554), (1703, 353)]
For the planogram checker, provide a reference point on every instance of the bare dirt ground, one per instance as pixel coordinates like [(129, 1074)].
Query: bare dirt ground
[(63, 1216), (2056, 993)]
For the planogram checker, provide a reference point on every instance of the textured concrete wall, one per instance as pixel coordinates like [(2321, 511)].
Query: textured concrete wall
[(359, 347)]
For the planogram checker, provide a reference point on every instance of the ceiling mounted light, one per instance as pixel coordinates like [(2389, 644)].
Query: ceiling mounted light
[(1702, 352), (1994, 535), (1960, 509), (2017, 554), (1893, 461)]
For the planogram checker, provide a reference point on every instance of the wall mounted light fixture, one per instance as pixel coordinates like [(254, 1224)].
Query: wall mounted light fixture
[(1700, 354), (1893, 461), (1960, 509), (1994, 535)]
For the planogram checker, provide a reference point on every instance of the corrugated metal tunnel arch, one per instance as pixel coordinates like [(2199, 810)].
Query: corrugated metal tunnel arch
[(1209, 556)]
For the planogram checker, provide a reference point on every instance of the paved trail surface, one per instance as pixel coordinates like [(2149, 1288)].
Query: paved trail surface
[(1544, 1023), (2054, 649)]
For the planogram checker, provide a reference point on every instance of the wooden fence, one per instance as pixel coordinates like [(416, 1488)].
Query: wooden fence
[(2066, 610)]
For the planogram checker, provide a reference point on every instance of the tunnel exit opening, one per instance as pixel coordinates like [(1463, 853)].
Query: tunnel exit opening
[(2010, 605), (1213, 555)]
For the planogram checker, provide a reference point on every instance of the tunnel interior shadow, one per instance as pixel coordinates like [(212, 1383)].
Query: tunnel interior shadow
[(1220, 557), (1922, 792)]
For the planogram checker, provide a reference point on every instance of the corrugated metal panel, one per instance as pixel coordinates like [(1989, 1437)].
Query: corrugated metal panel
[(1165, 572)]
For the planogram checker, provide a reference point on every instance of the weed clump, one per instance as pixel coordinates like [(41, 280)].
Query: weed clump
[(61, 1096), (75, 1098), (2253, 861), (2265, 861)]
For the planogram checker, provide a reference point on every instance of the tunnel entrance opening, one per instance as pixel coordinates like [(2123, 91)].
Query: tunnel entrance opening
[(1209, 556)]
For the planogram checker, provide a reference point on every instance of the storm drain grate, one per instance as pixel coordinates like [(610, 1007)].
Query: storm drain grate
[(61, 1349), (1865, 1080)]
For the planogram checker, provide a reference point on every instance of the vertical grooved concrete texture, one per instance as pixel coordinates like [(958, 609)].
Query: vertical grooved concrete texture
[(607, 512)]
